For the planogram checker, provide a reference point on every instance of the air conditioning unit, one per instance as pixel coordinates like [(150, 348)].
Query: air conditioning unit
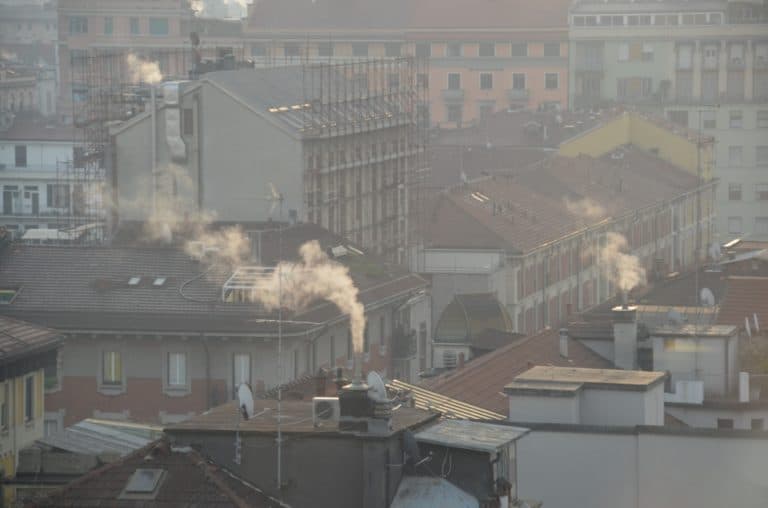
[(325, 410)]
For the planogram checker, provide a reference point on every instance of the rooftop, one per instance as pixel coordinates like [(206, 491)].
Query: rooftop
[(296, 417), (19, 339), (744, 298), (185, 480), (692, 330), (100, 298), (33, 127), (476, 436), (548, 378), (481, 381), (552, 199), (102, 437)]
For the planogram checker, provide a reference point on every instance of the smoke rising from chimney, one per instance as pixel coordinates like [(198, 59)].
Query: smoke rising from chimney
[(143, 71), (623, 269), (585, 208), (315, 277)]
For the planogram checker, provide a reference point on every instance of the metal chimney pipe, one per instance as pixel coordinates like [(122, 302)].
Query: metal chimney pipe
[(564, 342)]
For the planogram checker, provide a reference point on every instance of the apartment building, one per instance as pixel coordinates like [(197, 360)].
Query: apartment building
[(39, 188), (150, 29), (484, 57), (27, 368), (28, 32), (705, 64), (339, 145)]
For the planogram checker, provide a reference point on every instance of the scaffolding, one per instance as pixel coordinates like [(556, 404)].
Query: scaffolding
[(109, 86), (365, 123)]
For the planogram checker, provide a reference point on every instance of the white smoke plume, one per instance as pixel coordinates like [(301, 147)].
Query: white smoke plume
[(315, 277), (623, 269), (143, 71), (585, 208)]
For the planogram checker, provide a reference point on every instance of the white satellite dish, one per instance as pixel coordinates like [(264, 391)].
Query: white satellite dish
[(707, 298), (376, 387), (245, 400)]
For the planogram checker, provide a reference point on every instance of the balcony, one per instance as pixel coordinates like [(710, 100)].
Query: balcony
[(453, 94), (761, 62), (736, 64), (518, 94), (589, 66)]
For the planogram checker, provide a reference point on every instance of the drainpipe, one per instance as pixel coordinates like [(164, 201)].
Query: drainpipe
[(204, 342)]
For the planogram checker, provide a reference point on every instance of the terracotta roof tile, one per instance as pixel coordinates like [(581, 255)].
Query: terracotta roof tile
[(744, 297), (481, 382)]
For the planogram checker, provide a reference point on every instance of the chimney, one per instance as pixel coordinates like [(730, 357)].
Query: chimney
[(461, 360), (625, 337), (743, 386), (564, 342)]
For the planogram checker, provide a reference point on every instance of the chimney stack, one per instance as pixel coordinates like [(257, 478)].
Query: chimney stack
[(625, 336), (564, 342)]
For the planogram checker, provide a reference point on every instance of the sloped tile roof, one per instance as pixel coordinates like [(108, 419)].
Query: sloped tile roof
[(190, 481), (481, 382), (744, 297), (19, 339)]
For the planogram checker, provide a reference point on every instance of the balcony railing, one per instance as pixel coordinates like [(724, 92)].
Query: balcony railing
[(453, 94), (589, 66)]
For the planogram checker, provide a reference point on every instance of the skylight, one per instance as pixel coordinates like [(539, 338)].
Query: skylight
[(7, 295), (159, 282), (144, 481), (134, 281)]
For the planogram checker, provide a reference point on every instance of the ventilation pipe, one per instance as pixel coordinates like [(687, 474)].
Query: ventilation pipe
[(743, 386), (564, 342)]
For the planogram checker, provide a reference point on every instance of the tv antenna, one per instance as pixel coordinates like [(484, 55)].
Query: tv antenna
[(276, 199)]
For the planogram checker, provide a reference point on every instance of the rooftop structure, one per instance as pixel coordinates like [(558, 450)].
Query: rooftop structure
[(159, 475), (481, 382), (745, 297), (429, 400), (481, 437), (577, 377)]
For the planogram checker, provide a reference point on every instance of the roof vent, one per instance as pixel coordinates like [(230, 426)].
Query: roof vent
[(143, 484)]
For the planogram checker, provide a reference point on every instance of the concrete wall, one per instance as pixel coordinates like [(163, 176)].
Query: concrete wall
[(242, 154), (544, 409), (612, 407), (689, 359), (20, 432), (706, 417), (599, 468)]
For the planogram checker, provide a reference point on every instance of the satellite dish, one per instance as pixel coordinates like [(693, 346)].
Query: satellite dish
[(245, 400), (707, 298), (674, 317), (376, 388)]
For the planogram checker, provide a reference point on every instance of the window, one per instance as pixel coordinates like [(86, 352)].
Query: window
[(757, 424), (392, 49), (359, 49), (725, 423), (734, 192), (158, 26), (259, 50), (485, 110), (518, 81), (112, 368), (761, 156), (552, 49), (108, 25), (487, 49), (325, 49), (393, 80), (241, 369), (623, 52), (21, 156), (647, 53), (291, 50), (455, 113), (58, 195), (423, 50), (761, 192), (29, 398), (761, 226), (734, 225), (454, 81), (422, 80), (453, 49), (486, 81), (679, 117), (762, 119), (735, 155), (709, 119), (134, 22), (519, 49), (4, 405), (78, 25), (735, 119), (551, 80), (188, 121), (177, 370)]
